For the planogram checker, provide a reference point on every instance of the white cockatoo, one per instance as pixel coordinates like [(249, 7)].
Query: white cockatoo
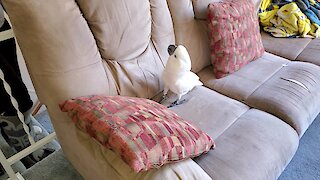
[(177, 75)]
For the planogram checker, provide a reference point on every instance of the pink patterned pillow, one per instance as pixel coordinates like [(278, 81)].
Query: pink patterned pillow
[(144, 133), (235, 38)]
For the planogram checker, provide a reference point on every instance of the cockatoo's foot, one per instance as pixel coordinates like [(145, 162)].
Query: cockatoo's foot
[(177, 102), (164, 97)]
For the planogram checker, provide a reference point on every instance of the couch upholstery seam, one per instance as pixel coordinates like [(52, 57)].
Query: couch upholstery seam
[(296, 59), (236, 119), (263, 84)]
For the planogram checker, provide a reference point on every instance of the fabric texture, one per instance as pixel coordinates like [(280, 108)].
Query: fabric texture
[(199, 99), (311, 9), (132, 39), (290, 19), (311, 52), (57, 166), (13, 132), (267, 66), (144, 133), (296, 49), (235, 38), (286, 89), (257, 146), (289, 48)]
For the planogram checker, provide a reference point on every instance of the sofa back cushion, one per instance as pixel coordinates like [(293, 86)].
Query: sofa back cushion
[(132, 38), (191, 29), (200, 7), (76, 47)]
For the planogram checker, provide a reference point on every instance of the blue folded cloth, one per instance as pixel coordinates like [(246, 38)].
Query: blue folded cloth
[(309, 10), (316, 11), (281, 2)]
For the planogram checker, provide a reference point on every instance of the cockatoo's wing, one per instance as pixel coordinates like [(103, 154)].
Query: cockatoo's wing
[(185, 83), (194, 79), (171, 72)]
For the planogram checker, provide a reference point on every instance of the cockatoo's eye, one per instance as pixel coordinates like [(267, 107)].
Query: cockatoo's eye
[(175, 56)]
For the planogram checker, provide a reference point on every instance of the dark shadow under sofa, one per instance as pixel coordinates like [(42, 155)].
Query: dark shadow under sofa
[(75, 48)]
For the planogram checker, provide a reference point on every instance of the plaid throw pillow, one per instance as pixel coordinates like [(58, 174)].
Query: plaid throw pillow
[(234, 33), (143, 133)]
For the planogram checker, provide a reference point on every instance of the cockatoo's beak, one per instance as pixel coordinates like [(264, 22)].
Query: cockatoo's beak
[(171, 49)]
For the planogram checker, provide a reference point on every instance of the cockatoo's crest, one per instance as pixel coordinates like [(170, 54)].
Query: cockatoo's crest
[(181, 56)]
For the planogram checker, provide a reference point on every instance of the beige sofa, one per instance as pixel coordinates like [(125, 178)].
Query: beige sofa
[(76, 48)]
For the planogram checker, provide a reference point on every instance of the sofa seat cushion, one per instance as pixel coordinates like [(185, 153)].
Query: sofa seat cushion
[(244, 82), (289, 48), (246, 137), (212, 112), (288, 90), (311, 53), (257, 146)]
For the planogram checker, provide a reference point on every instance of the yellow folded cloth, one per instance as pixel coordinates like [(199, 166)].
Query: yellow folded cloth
[(286, 21)]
